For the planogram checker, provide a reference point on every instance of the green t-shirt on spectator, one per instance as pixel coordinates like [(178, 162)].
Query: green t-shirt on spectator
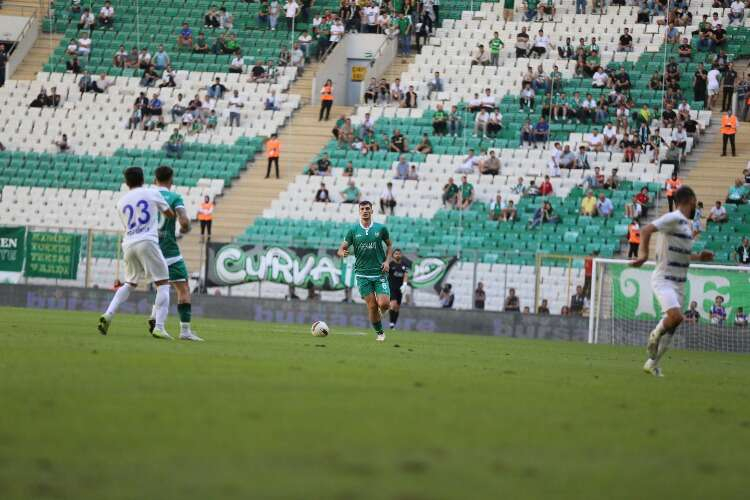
[(452, 190), (509, 4), (466, 190), (398, 5), (440, 116), (351, 193), (403, 25), (533, 5), (232, 45), (495, 45)]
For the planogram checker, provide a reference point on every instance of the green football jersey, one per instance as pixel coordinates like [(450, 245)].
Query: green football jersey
[(368, 248), (167, 227)]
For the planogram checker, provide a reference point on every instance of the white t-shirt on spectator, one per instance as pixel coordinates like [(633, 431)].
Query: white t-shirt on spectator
[(235, 103), (600, 78), (291, 9), (609, 132), (237, 62), (713, 78), (107, 11), (541, 41), (488, 100), (595, 140), (336, 31)]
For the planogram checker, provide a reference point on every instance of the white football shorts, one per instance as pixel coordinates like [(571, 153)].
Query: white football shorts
[(143, 259), (669, 295)]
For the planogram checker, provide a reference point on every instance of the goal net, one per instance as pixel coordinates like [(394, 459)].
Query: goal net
[(624, 308)]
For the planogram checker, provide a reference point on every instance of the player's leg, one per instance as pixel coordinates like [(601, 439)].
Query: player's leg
[(367, 292), (133, 272), (393, 311), (154, 263), (383, 295), (661, 336)]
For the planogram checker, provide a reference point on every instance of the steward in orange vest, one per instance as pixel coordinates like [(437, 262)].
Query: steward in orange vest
[(273, 151), (634, 239), (672, 185), (326, 100), (728, 131), (206, 216)]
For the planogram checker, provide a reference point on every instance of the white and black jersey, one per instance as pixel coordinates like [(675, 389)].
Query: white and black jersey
[(674, 248)]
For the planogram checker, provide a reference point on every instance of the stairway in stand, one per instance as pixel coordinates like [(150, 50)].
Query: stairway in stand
[(301, 140), (44, 45)]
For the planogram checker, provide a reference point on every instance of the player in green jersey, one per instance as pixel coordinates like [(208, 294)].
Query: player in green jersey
[(178, 273), (372, 249)]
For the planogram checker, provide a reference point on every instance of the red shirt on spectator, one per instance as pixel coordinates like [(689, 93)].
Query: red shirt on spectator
[(546, 188), (588, 266)]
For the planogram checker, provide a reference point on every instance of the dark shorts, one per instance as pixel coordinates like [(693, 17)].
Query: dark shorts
[(396, 295)]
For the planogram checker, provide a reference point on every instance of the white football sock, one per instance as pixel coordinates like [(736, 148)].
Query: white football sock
[(663, 345), (184, 327), (161, 304), (121, 295), (660, 328)]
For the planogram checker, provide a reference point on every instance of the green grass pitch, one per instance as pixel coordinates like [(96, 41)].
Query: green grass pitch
[(266, 411)]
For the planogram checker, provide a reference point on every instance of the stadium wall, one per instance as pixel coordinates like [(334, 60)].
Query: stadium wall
[(304, 313)]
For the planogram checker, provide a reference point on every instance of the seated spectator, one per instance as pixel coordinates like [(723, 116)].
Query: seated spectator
[(87, 20), (512, 304), (546, 189), (466, 194), (718, 214), (685, 51), (402, 168), (626, 42), (285, 57), (522, 43), (718, 312), (497, 206), (541, 42), (533, 189), (519, 188), (595, 141), (435, 84), (736, 12), (101, 84), (588, 204), (237, 64), (211, 18), (322, 195), (258, 73), (178, 108), (185, 37), (132, 59), (491, 166), (600, 78), (323, 165), (446, 296), (737, 193), (596, 180), (413, 176), (567, 158), (740, 318), (84, 44), (424, 146), (174, 144), (455, 122), (63, 146), (480, 123), (480, 56), (84, 83), (226, 21), (743, 252), (672, 156), (150, 76), (547, 8), (168, 78), (136, 117), (610, 136), (106, 15), (387, 199), (348, 170), (410, 98), (271, 103), (582, 158), (495, 124), (642, 200), (216, 90), (440, 121), (41, 100), (351, 193), (475, 103), (541, 131), (488, 101), (527, 98), (604, 207), (469, 164), (543, 215), (578, 302), (450, 193), (120, 59), (200, 46), (144, 58), (72, 48)]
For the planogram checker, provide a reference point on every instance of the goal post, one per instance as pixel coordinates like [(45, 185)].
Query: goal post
[(624, 308)]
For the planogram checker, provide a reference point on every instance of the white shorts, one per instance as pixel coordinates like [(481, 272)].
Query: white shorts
[(713, 90), (669, 295), (143, 259)]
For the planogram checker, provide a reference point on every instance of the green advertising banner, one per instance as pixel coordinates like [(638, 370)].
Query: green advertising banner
[(12, 242), (633, 297), (52, 255), (230, 264)]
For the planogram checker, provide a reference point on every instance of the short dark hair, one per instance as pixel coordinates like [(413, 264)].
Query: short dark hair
[(365, 202), (164, 173), (133, 177), (683, 195)]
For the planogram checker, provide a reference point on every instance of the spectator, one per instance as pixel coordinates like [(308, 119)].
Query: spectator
[(479, 296), (387, 200), (41, 100), (440, 121), (402, 168), (273, 152), (595, 181), (528, 98), (436, 84), (479, 56), (522, 43), (567, 158), (495, 46), (161, 59), (455, 123), (348, 170), (480, 123), (497, 208), (466, 194), (546, 188), (588, 204), (740, 318), (626, 42), (298, 59), (604, 207), (743, 252), (322, 195), (692, 315), (737, 193), (87, 21), (84, 44), (168, 78), (543, 307), (216, 90), (185, 37), (512, 304), (271, 103), (424, 146), (718, 214), (413, 176), (736, 12), (541, 42), (237, 63), (634, 238), (175, 144), (211, 18), (697, 229), (120, 59), (446, 296), (351, 193), (544, 215), (405, 29), (642, 199), (398, 142), (718, 313), (136, 117), (469, 164), (63, 146), (235, 106), (541, 132), (596, 141), (578, 301), (410, 98), (106, 15), (200, 46), (450, 193), (220, 45), (150, 76), (713, 76), (491, 166), (728, 131), (323, 165)]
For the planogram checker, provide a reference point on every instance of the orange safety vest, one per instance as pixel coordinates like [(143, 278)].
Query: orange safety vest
[(209, 207), (673, 185), (729, 125), (273, 148), (327, 93), (634, 234)]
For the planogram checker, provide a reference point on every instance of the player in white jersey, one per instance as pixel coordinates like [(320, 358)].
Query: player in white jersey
[(139, 211), (674, 253)]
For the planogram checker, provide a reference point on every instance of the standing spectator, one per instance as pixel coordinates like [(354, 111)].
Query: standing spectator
[(291, 10), (512, 304), (728, 82), (455, 122), (161, 59), (273, 151), (387, 200), (692, 315), (578, 301), (718, 214), (446, 296), (495, 46), (712, 77), (479, 296), (326, 100), (634, 238), (404, 35), (235, 105), (718, 312), (322, 195), (740, 318), (743, 252), (728, 132), (206, 217)]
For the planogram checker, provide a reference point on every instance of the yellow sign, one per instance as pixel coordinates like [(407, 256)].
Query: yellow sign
[(358, 73)]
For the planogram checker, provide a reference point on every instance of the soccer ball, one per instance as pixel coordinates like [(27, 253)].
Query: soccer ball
[(319, 329)]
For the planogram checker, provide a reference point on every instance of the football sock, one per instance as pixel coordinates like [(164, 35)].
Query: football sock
[(394, 316), (184, 310), (121, 295), (663, 345), (162, 305), (377, 326), (153, 312)]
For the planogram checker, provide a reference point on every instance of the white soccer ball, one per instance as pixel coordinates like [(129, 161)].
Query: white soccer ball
[(319, 329)]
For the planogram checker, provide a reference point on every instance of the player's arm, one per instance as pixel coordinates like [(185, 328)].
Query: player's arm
[(703, 256), (162, 205), (388, 254), (343, 250), (646, 233), (183, 219)]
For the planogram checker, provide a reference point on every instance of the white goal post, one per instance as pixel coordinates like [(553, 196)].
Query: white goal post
[(623, 308)]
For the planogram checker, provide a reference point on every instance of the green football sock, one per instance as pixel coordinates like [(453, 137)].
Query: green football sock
[(378, 326), (185, 312)]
